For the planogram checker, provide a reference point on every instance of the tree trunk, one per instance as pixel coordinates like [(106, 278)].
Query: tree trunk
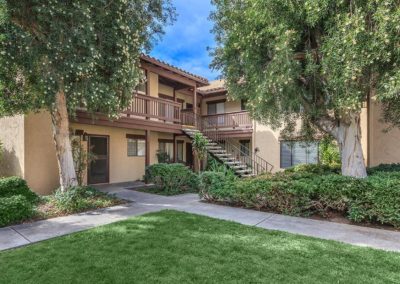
[(60, 122), (349, 140)]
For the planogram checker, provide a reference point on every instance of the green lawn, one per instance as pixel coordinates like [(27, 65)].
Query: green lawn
[(177, 247)]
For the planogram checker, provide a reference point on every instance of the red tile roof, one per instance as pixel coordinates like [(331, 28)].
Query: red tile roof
[(165, 65)]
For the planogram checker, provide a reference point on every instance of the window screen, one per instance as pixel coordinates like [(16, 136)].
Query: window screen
[(136, 147), (297, 152)]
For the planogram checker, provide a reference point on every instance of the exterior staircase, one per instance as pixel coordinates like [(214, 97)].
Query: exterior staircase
[(244, 165)]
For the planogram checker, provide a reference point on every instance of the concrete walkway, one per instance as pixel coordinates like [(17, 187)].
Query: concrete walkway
[(19, 235)]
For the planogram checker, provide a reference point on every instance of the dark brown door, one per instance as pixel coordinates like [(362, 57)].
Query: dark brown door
[(98, 171), (189, 154)]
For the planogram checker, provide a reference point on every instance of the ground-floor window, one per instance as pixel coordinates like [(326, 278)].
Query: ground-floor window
[(179, 151), (136, 145), (298, 152), (165, 151)]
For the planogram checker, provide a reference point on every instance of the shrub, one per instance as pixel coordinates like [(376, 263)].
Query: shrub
[(329, 154), (384, 168), (14, 209), (12, 186), (315, 169), (79, 198), (306, 190), (216, 184), (172, 178)]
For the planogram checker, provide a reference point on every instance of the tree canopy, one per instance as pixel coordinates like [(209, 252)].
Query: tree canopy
[(90, 49), (314, 60), (321, 56)]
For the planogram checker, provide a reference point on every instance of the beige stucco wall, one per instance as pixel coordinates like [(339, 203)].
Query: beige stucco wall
[(41, 168), (122, 167), (152, 81), (12, 138), (267, 141), (384, 146), (185, 97), (166, 90)]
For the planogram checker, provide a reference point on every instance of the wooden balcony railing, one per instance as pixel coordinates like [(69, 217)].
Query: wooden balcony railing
[(153, 107), (229, 120)]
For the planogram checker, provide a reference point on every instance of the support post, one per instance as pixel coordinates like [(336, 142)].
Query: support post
[(147, 160)]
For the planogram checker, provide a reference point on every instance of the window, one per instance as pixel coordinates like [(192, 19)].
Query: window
[(189, 106), (244, 147), (179, 151), (136, 147), (167, 147), (216, 107), (296, 152), (243, 104)]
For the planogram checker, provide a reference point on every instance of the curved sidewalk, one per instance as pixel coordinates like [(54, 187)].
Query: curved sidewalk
[(19, 235)]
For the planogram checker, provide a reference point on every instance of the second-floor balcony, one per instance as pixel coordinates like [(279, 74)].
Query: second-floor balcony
[(147, 112)]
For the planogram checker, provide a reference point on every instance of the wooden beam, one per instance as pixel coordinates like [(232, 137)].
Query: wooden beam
[(168, 74), (174, 149), (147, 162)]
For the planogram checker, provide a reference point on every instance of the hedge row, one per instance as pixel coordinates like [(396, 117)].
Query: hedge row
[(308, 190)]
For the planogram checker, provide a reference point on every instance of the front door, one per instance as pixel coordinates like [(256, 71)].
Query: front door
[(189, 154), (98, 171)]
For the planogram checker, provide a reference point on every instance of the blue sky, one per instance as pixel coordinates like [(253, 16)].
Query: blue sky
[(185, 42)]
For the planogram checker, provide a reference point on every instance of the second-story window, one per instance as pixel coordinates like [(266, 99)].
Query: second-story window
[(243, 103)]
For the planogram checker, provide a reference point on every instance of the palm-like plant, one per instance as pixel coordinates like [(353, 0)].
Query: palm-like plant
[(199, 145)]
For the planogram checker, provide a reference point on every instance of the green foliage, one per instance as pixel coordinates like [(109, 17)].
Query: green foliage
[(313, 189), (12, 186), (317, 60), (199, 145), (14, 209), (80, 198), (163, 157), (314, 169), (216, 182), (171, 178), (82, 158), (88, 49), (384, 168), (329, 152)]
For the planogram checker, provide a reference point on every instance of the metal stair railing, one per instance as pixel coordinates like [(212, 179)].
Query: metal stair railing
[(243, 154)]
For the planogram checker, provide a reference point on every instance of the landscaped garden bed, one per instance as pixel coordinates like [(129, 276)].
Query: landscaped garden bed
[(176, 247), (19, 204), (313, 191), (170, 179)]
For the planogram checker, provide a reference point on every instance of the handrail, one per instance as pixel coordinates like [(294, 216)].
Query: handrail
[(227, 120), (211, 130), (153, 107), (232, 112)]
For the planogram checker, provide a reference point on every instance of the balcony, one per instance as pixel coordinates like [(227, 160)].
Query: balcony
[(157, 114), (147, 107), (231, 120)]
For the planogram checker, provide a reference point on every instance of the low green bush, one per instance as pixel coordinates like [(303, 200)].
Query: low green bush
[(313, 189), (80, 198), (14, 209), (216, 182), (171, 178), (12, 186), (315, 169), (384, 168)]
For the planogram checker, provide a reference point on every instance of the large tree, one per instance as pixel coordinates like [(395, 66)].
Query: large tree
[(61, 55), (314, 60)]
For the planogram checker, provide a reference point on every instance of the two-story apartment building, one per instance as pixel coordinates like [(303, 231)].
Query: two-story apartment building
[(161, 117)]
